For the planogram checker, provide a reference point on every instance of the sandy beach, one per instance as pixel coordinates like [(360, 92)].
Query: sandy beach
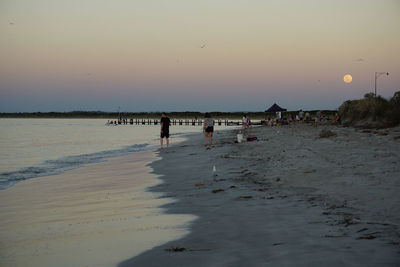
[(289, 199), (96, 215), (90, 91)]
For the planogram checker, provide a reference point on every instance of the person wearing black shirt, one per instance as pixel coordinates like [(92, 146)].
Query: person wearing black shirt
[(165, 123)]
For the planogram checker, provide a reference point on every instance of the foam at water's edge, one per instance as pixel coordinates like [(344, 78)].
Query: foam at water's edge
[(51, 167)]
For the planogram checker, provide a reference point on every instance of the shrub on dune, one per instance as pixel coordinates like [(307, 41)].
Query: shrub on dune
[(371, 111)]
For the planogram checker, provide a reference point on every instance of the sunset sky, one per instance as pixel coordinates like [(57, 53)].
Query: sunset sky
[(209, 55)]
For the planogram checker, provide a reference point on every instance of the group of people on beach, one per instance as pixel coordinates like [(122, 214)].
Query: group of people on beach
[(208, 129), (301, 117), (208, 124)]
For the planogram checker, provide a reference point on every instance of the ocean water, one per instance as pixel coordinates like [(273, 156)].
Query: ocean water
[(38, 147), (121, 217)]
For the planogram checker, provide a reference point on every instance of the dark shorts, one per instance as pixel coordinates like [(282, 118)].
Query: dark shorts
[(210, 129), (165, 133)]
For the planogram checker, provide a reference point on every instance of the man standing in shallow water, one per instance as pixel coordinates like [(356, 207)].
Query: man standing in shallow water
[(165, 123)]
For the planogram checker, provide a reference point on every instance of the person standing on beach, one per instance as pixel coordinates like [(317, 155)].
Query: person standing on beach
[(301, 115), (244, 122), (248, 122), (318, 117), (307, 117), (165, 123), (208, 128)]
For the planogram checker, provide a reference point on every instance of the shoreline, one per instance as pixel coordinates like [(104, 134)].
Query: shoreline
[(291, 199), (91, 216), (35, 149), (45, 169)]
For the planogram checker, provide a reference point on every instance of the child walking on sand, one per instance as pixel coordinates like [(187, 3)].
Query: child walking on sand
[(208, 128)]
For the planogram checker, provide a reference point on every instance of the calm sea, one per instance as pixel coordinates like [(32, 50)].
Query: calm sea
[(38, 147)]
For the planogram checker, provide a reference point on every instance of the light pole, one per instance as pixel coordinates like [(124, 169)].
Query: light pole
[(377, 74)]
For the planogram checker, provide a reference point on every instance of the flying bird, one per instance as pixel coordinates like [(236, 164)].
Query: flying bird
[(11, 23), (203, 46), (360, 60)]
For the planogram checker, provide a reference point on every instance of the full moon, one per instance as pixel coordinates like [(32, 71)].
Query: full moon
[(347, 78)]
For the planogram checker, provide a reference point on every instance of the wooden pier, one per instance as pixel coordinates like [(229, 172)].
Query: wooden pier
[(186, 122)]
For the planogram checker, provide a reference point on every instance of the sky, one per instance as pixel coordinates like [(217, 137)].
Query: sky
[(183, 55)]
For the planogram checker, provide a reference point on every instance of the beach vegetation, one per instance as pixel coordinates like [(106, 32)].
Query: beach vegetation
[(371, 111)]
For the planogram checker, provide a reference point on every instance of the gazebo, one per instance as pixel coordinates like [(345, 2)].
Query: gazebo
[(275, 108)]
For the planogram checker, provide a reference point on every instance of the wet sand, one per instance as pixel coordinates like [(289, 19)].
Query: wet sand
[(290, 199), (96, 215)]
